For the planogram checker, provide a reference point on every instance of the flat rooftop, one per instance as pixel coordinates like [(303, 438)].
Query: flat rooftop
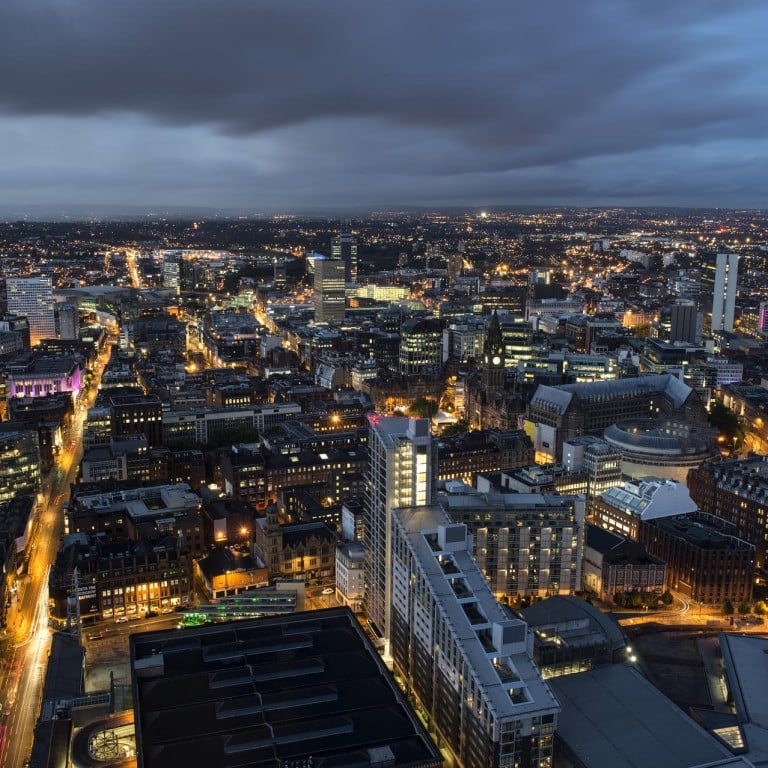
[(269, 692), (613, 717)]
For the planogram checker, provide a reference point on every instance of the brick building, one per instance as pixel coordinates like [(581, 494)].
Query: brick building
[(614, 564), (704, 561), (737, 492)]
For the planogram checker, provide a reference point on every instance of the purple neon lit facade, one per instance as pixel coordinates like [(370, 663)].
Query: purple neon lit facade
[(34, 384)]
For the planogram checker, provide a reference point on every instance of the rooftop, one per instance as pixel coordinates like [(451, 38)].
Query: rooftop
[(651, 498), (560, 397), (267, 691), (597, 707), (493, 645)]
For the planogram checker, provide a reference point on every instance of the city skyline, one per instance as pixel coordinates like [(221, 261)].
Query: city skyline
[(294, 107)]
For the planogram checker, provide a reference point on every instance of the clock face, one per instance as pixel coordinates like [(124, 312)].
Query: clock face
[(496, 360)]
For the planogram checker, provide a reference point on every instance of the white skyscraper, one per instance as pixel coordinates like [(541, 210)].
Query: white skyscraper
[(401, 474), (724, 293), (32, 298)]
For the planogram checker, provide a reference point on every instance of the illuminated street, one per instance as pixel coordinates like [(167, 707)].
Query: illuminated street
[(27, 637)]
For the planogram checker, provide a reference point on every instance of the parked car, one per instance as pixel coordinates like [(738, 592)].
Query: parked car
[(121, 620), (328, 591)]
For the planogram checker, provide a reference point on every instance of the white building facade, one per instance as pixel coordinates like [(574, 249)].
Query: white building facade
[(401, 473)]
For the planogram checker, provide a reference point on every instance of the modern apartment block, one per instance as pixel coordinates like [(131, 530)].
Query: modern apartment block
[(467, 664), (401, 474), (524, 543)]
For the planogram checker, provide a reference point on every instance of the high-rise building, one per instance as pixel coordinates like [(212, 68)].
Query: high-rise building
[(330, 296), (724, 292), (19, 461), (172, 261), (762, 321), (684, 322), (344, 247), (402, 465), (421, 347), (69, 321), (280, 275), (32, 297), (465, 662)]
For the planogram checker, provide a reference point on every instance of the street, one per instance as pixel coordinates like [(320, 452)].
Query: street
[(26, 639)]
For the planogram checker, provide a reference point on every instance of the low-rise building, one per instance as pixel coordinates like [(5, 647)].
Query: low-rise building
[(121, 578), (463, 457), (572, 636), (298, 690), (350, 574), (704, 561), (737, 492), (622, 509), (303, 550), (613, 563)]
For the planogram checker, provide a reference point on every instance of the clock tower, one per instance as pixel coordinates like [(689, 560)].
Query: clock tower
[(493, 357)]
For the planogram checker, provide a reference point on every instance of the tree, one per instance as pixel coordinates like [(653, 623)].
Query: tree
[(728, 608), (461, 426), (760, 608), (619, 599), (424, 407), (744, 608), (727, 424), (636, 599), (667, 598)]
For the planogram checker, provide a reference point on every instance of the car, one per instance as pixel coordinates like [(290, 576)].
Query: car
[(121, 620), (134, 617), (167, 610), (96, 636), (328, 591)]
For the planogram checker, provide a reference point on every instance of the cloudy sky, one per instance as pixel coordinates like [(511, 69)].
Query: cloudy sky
[(343, 105)]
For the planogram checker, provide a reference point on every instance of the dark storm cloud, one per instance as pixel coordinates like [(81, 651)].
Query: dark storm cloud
[(452, 101)]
